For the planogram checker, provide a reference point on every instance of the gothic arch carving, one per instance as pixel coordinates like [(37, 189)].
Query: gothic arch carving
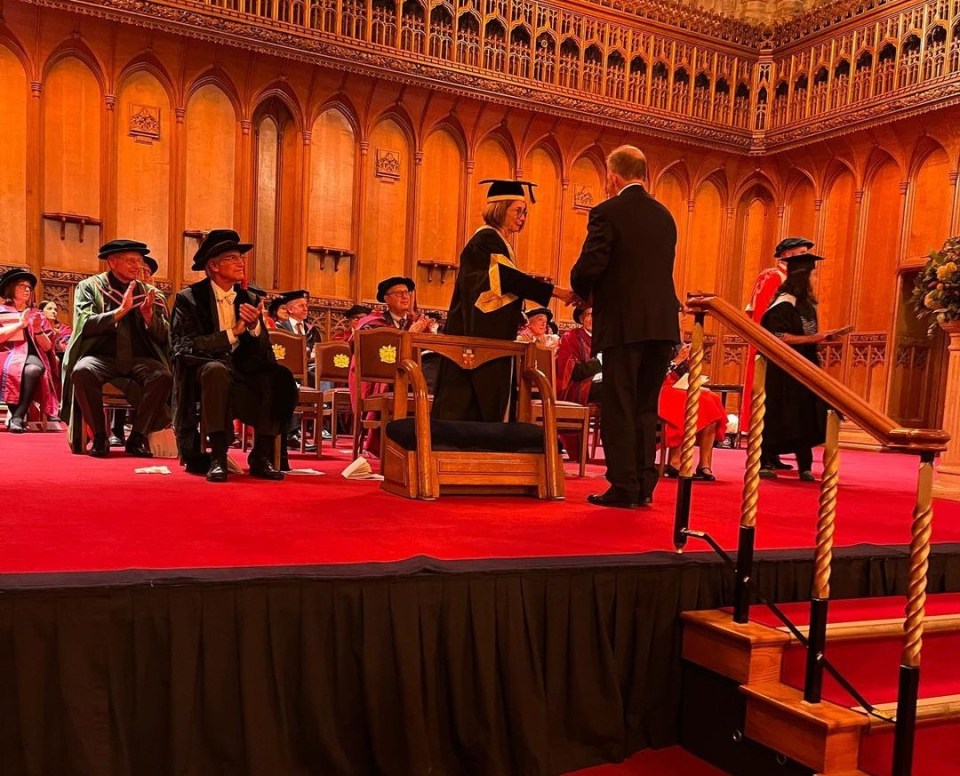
[(756, 179), (501, 135), (215, 76), (285, 94), (923, 149), (796, 177), (147, 61), (344, 105), (677, 169), (399, 116), (78, 49), (12, 43)]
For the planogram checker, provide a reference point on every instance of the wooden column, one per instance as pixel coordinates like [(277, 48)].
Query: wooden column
[(947, 481), (178, 183), (34, 203), (359, 211), (302, 272), (108, 170)]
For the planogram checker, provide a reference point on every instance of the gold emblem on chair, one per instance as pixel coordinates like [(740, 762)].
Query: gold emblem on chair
[(279, 352), (342, 360), (469, 357), (388, 354)]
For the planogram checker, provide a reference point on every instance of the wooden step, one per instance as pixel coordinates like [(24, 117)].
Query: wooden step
[(874, 629), (945, 708), (745, 653), (823, 736)]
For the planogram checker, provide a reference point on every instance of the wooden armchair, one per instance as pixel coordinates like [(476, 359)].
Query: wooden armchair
[(291, 350), (332, 361), (572, 418), (425, 458), (376, 353)]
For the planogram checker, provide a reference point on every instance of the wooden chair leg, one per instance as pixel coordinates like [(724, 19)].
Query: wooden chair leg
[(584, 444), (357, 415)]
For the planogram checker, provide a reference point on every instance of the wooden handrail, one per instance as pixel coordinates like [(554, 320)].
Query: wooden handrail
[(882, 428)]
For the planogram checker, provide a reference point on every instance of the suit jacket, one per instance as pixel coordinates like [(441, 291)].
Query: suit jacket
[(626, 267), (197, 339), (92, 321), (312, 334)]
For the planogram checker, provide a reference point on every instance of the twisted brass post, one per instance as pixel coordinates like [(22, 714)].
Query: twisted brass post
[(751, 495), (751, 475), (919, 555), (909, 685), (692, 408), (827, 512), (820, 597)]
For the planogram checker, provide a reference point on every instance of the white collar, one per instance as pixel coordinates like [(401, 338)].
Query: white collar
[(632, 183), (220, 293)]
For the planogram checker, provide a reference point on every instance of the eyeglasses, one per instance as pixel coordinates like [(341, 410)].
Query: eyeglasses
[(521, 213), (129, 259), (398, 293)]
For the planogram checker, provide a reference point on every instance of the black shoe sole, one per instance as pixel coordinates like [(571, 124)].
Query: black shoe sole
[(600, 502)]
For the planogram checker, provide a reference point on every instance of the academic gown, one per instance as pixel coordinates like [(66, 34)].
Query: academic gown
[(488, 275), (795, 417)]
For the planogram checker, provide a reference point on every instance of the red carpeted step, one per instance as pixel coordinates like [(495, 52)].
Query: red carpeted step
[(853, 609), (936, 749), (672, 761)]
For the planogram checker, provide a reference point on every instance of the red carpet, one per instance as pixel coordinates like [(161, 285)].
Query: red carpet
[(75, 513), (672, 761)]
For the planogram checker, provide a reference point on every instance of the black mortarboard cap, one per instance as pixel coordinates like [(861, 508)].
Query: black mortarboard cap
[(289, 296), (802, 262), (501, 190)]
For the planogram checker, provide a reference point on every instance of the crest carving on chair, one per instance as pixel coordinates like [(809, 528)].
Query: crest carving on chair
[(279, 351), (469, 357), (342, 360), (388, 354)]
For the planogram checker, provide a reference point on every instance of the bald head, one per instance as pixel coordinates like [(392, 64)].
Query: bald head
[(625, 165)]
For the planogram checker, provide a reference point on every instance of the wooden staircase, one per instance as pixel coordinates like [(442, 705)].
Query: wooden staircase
[(823, 738)]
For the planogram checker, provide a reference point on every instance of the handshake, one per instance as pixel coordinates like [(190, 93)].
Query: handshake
[(567, 296)]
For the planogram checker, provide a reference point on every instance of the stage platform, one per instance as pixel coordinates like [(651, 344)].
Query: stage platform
[(154, 624)]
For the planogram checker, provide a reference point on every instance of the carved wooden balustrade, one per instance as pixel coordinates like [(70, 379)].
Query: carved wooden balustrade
[(648, 63)]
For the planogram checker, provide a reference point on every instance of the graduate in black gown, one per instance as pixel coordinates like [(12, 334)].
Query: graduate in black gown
[(488, 302), (795, 419)]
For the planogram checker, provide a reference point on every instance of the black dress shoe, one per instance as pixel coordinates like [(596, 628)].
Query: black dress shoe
[(293, 441), (100, 447), (16, 425), (218, 470), (116, 441), (613, 498), (646, 501), (264, 470), (781, 466), (138, 446), (198, 464), (671, 471)]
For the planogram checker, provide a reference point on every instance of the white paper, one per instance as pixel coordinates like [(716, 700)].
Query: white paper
[(310, 472), (152, 470), (360, 470)]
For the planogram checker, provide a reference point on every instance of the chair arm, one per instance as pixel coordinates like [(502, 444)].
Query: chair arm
[(408, 369), (539, 380)]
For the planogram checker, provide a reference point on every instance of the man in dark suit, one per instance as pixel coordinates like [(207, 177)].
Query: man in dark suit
[(626, 268), (223, 359)]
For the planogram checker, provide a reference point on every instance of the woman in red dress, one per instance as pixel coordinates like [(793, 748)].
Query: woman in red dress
[(711, 419)]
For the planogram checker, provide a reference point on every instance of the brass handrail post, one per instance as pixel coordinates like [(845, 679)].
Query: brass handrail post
[(913, 625), (751, 491), (820, 595), (681, 519)]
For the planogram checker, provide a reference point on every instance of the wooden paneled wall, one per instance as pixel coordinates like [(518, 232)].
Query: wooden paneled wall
[(341, 180)]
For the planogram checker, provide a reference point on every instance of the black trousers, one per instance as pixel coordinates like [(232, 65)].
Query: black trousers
[(473, 394), (149, 392), (632, 376), (264, 399)]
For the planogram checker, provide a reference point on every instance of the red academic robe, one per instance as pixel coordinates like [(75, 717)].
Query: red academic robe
[(764, 291), (672, 409)]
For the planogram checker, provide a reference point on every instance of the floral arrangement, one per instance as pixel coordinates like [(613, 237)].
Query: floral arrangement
[(936, 293)]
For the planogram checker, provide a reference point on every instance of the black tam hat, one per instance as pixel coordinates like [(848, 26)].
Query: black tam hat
[(122, 246), (539, 311), (501, 190), (257, 292), (790, 243), (275, 304), (805, 261), (17, 273), (289, 296), (357, 309), (216, 242), (151, 263), (578, 314), (385, 285)]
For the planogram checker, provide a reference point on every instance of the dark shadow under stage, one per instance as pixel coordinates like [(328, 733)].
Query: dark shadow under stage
[(337, 630)]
